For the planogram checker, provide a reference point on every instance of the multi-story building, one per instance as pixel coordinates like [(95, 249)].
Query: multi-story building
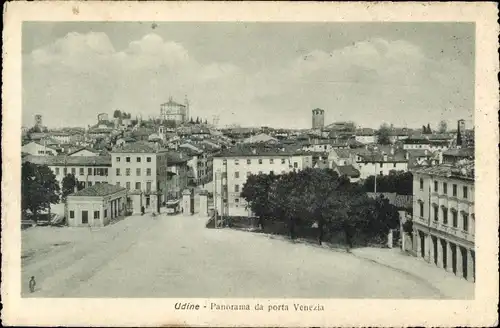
[(173, 111), (88, 170), (37, 149), (443, 217), (232, 168), (142, 169), (178, 174), (380, 163)]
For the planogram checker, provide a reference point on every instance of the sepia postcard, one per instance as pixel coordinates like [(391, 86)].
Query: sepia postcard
[(283, 164)]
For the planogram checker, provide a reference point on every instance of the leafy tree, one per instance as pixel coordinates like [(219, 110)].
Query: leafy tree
[(443, 126), (408, 227), (197, 120), (429, 130), (69, 184), (117, 114), (256, 191), (398, 182), (39, 188), (191, 121), (383, 134), (424, 129), (170, 124)]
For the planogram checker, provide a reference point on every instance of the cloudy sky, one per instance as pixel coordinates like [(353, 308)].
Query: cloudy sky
[(251, 74)]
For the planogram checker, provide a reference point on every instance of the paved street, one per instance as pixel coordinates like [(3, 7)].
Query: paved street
[(176, 256)]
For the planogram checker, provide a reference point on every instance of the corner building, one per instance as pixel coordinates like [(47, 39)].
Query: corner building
[(444, 219)]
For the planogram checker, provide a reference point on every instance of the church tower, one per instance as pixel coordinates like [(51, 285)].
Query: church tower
[(186, 113), (318, 119)]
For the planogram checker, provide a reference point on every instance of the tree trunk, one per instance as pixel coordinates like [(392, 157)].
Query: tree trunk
[(320, 234)]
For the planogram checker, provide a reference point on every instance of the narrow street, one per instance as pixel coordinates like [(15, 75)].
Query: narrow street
[(176, 256)]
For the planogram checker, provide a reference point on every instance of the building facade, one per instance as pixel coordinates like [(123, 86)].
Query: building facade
[(232, 168), (444, 219), (95, 206), (37, 149), (173, 111), (141, 169)]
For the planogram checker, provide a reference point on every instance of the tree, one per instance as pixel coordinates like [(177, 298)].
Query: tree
[(197, 120), (117, 114), (256, 191), (191, 121), (69, 184), (383, 134), (39, 188), (206, 122), (398, 182), (429, 130), (424, 129), (443, 126)]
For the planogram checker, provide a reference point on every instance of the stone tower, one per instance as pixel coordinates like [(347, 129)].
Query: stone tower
[(460, 132), (186, 113), (318, 119)]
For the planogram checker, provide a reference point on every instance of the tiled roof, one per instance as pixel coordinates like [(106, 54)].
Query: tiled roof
[(69, 160), (173, 103), (248, 151), (175, 158), (398, 157), (98, 190), (135, 147), (348, 170), (463, 171), (459, 152), (80, 149)]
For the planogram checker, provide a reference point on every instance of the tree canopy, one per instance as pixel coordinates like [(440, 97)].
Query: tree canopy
[(383, 134), (443, 126), (69, 184), (39, 188), (398, 182), (318, 198)]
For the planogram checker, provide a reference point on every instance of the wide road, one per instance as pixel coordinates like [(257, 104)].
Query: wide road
[(176, 256)]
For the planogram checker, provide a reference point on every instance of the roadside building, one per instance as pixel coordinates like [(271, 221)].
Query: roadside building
[(88, 170), (177, 174), (95, 206), (381, 163), (233, 166), (142, 169), (83, 151), (443, 217)]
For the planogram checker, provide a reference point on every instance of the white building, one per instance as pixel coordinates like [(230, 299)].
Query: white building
[(142, 169), (87, 170), (443, 217), (37, 149), (95, 206), (232, 167), (379, 163)]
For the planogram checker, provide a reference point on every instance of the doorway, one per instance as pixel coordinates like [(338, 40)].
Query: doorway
[(85, 217)]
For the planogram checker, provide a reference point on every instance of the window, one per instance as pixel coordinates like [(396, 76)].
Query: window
[(73, 171), (118, 184), (435, 186), (295, 164), (381, 165), (421, 184), (260, 161), (381, 173), (421, 209), (148, 186), (148, 159), (454, 190), (105, 172), (465, 217), (236, 162), (128, 185), (236, 200), (138, 159), (127, 159), (118, 173), (82, 171), (465, 192), (436, 213), (96, 214), (283, 161), (455, 218), (249, 161), (445, 188), (445, 215), (138, 172), (89, 171), (57, 171), (148, 172), (394, 165), (271, 161), (71, 214), (236, 174), (105, 213), (137, 186), (89, 184), (236, 188), (271, 172), (118, 158), (127, 172), (65, 171)]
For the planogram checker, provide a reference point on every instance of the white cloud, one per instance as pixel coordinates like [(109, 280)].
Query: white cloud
[(80, 75)]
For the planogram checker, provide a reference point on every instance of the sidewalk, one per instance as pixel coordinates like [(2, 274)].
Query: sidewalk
[(447, 283)]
